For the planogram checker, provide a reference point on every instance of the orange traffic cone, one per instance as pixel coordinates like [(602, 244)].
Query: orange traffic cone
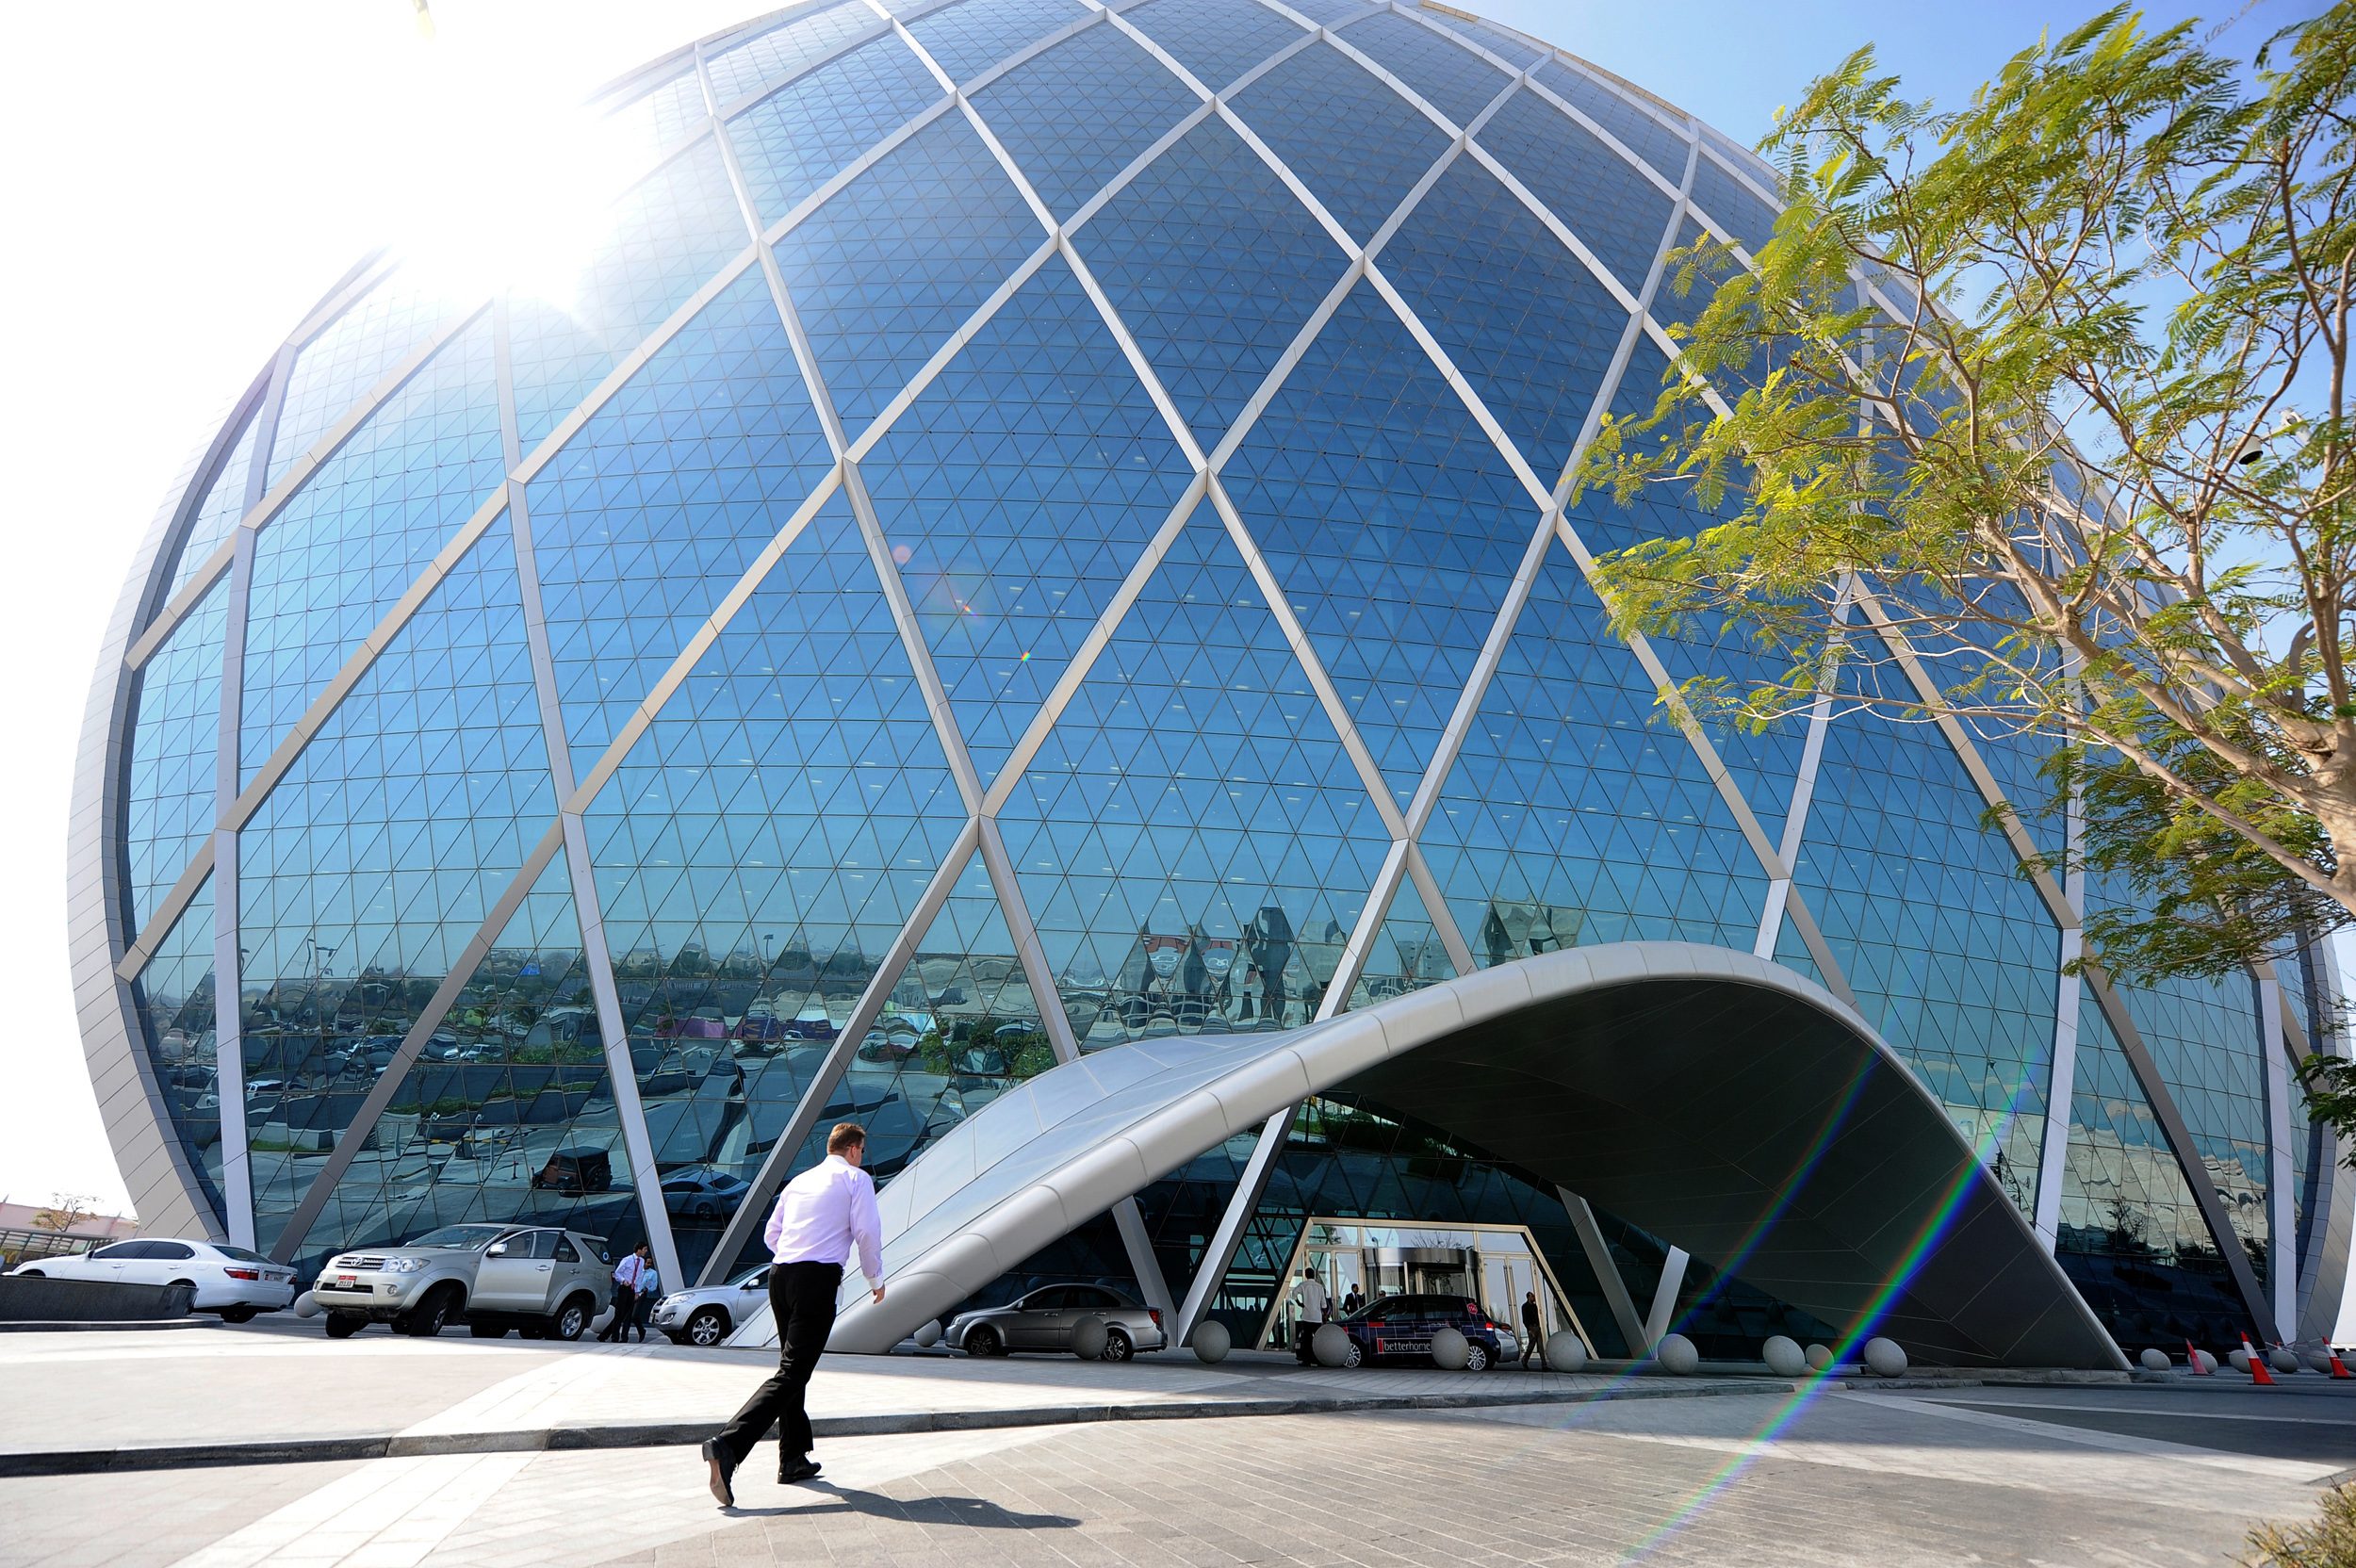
[(2258, 1373), (2337, 1370), (2192, 1359)]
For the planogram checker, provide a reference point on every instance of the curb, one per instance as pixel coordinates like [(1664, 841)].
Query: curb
[(131, 1324), (663, 1434)]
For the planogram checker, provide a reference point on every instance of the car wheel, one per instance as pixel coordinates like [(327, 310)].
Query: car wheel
[(236, 1315), (426, 1319), (1354, 1356), (31, 1274), (984, 1342), (708, 1327), (704, 1211), (343, 1325), (1476, 1356), (487, 1330), (570, 1320), (1116, 1346)]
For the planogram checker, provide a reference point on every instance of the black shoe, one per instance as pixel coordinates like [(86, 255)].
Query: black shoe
[(722, 1492), (800, 1470)]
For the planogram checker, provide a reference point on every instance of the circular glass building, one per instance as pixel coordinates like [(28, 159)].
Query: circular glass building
[(1028, 556)]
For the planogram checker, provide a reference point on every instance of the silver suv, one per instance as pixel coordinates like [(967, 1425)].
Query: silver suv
[(546, 1282)]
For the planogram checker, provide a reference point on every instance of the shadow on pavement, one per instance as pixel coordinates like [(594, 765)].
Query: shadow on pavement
[(971, 1513)]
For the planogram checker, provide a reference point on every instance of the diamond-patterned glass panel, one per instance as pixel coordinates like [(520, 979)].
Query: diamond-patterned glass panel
[(375, 859), (1725, 197), (1392, 523), (665, 238), (173, 998), (896, 261), (1216, 40), (351, 541), (1192, 839), (1575, 812), (642, 129), (1447, 75), (347, 357), (170, 790), (795, 141), (780, 52), (1407, 953), (1016, 493), (974, 34), (1591, 190), (1077, 115), (651, 513), (1358, 146), (1214, 266), (1638, 131), (224, 503), (1517, 53)]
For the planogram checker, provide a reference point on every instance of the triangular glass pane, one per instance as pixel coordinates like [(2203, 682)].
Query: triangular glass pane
[(654, 510), (169, 793), (642, 127), (895, 262), (1594, 192), (660, 242), (1392, 522), (1446, 75), (223, 505), (1214, 267), (1407, 953), (351, 543), (1192, 839), (795, 141), (969, 38), (1216, 40), (376, 858), (1743, 214), (1637, 130), (1951, 956), (1517, 53), (173, 998), (350, 355), (1016, 493), (1075, 116), (514, 1076), (1356, 144), (2127, 1217), (763, 845), (781, 51), (1521, 315), (1575, 812)]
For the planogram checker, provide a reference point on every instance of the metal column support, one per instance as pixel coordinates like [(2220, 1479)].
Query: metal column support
[(1599, 1258), (1665, 1297), (1229, 1234), (2281, 1206)]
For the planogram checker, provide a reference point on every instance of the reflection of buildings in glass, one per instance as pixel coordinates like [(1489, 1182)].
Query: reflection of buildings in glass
[(1515, 929)]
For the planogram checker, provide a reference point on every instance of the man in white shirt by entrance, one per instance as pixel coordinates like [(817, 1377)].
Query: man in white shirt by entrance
[(819, 1217)]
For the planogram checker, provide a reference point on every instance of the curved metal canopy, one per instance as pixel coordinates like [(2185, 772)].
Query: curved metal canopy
[(1718, 1101)]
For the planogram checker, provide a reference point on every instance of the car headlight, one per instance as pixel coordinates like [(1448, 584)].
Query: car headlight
[(404, 1266)]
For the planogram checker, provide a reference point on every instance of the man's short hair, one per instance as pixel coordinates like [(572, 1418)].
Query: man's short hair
[(847, 1135)]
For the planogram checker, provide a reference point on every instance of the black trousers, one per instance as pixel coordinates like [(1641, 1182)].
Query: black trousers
[(625, 1303), (801, 1300)]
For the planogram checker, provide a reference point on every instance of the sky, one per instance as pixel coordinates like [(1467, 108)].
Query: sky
[(184, 181)]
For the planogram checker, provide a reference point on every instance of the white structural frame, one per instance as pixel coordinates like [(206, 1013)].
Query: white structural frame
[(108, 958)]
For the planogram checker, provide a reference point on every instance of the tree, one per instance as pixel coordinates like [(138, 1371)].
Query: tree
[(65, 1211), (2033, 412)]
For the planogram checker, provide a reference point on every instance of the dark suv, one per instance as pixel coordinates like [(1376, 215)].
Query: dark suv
[(1401, 1328)]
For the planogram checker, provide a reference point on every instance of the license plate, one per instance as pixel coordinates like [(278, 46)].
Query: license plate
[(346, 1278)]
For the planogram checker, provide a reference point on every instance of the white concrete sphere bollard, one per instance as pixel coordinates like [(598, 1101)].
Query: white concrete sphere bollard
[(2239, 1358), (1819, 1359), (1783, 1356), (1329, 1345), (2316, 1361), (1211, 1341), (307, 1305), (2204, 1361), (1885, 1357), (1565, 1352), (1089, 1337), (2155, 1360), (929, 1334), (1677, 1355), (1451, 1351), (2281, 1359)]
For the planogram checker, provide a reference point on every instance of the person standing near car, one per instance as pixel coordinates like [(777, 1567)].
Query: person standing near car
[(821, 1215), (626, 1275), (1533, 1332), (1309, 1295), (649, 1290)]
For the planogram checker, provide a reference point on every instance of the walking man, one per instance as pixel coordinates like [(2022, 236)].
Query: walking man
[(626, 1276), (1533, 1332), (1309, 1295), (819, 1217)]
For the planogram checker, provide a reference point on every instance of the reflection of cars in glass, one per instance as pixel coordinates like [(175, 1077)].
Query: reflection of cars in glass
[(1043, 1320), (708, 1315), (701, 1194), (1400, 1327), (576, 1172), (546, 1282), (230, 1280)]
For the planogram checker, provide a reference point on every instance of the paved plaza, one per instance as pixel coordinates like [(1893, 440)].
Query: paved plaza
[(1603, 1470)]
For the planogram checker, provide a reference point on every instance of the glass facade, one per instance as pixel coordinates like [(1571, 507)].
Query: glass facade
[(993, 576)]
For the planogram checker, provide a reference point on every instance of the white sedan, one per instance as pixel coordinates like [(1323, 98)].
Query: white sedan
[(230, 1280)]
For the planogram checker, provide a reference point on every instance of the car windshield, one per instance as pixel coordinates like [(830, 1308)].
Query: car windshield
[(463, 1238)]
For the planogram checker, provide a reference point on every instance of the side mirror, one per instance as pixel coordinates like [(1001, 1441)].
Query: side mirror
[(497, 1249)]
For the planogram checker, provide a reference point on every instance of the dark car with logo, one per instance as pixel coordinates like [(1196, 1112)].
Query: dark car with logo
[(1400, 1328)]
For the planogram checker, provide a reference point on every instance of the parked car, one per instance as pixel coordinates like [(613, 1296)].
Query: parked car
[(701, 1193), (576, 1172), (545, 1282), (1043, 1321), (708, 1314), (1401, 1328), (230, 1280)]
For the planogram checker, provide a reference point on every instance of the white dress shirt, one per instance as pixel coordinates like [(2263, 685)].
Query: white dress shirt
[(822, 1213), (626, 1272)]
